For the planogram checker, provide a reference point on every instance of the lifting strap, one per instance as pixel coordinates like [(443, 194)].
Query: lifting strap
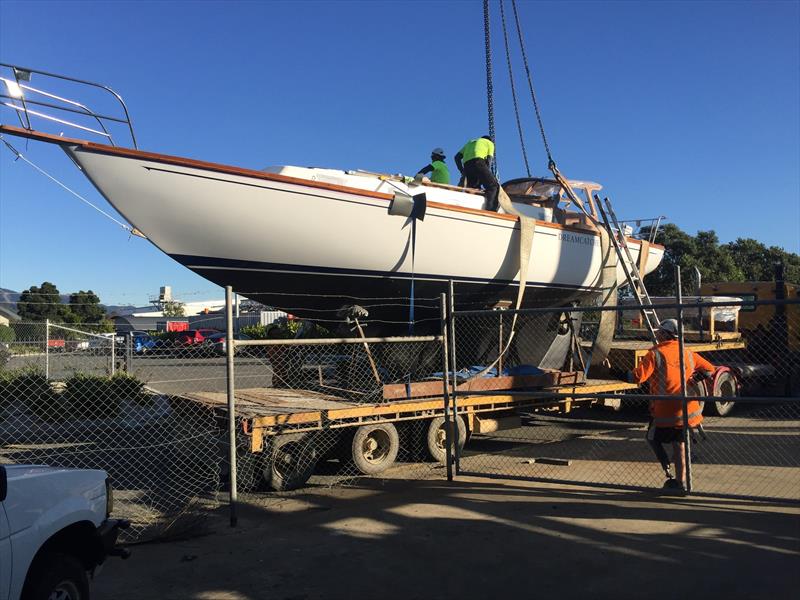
[(608, 279)]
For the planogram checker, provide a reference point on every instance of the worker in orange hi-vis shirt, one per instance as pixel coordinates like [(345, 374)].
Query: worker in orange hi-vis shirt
[(660, 367)]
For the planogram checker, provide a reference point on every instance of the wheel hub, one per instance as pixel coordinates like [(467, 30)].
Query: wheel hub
[(375, 447)]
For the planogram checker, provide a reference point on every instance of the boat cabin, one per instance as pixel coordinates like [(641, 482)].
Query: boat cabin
[(547, 194)]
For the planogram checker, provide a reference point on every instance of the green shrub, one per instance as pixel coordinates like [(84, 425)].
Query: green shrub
[(127, 386), (91, 397), (30, 386), (7, 334), (18, 349), (285, 329), (100, 397)]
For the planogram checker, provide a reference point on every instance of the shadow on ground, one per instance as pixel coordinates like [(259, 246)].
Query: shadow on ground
[(475, 538)]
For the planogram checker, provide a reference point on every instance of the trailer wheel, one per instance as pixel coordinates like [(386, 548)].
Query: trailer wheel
[(724, 386), (437, 438), (249, 470), (375, 447), (698, 390), (293, 458)]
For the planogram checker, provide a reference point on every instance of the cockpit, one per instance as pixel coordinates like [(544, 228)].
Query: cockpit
[(545, 199)]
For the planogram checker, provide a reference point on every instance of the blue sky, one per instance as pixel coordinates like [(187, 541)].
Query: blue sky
[(688, 109)]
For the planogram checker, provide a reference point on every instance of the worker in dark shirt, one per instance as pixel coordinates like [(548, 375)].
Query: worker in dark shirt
[(440, 173), (474, 163)]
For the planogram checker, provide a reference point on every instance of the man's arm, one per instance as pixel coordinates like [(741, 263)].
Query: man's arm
[(701, 364), (457, 158), (645, 370), (425, 170)]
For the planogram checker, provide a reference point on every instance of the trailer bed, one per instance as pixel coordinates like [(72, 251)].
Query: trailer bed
[(626, 354), (270, 411)]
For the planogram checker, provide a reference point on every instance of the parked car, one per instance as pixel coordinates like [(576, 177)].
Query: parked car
[(100, 343), (217, 343), (55, 531), (142, 342), (195, 336), (77, 345)]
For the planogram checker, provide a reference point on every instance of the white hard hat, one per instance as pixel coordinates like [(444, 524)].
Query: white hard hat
[(670, 326)]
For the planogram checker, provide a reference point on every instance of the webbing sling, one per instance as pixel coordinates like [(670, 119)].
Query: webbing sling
[(608, 318), (527, 229), (608, 279)]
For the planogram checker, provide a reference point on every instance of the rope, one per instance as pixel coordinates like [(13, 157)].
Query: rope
[(125, 226), (514, 90), (489, 86), (530, 84)]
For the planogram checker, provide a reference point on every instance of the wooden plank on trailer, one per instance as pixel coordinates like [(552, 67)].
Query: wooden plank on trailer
[(426, 389), (260, 401), (396, 410)]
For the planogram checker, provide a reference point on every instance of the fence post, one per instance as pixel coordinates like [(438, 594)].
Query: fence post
[(229, 373), (687, 438), (113, 351), (454, 387), (47, 348), (448, 442), (129, 353)]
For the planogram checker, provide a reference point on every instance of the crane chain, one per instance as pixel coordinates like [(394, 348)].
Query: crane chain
[(530, 84), (489, 85), (514, 89)]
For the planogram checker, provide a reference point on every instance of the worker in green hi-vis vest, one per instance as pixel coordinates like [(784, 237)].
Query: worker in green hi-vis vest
[(440, 173), (474, 161)]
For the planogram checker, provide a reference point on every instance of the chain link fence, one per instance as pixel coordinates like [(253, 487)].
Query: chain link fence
[(595, 431), (68, 398), (328, 405)]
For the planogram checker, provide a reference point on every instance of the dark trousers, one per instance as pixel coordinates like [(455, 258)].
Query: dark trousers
[(479, 174)]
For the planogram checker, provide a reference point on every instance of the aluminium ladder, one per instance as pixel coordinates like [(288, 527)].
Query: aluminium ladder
[(628, 265)]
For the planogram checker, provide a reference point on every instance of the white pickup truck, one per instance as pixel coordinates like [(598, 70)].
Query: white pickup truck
[(55, 531)]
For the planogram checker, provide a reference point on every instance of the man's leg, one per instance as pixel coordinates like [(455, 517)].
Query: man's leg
[(479, 174), (658, 448), (490, 185), (471, 177), (679, 450)]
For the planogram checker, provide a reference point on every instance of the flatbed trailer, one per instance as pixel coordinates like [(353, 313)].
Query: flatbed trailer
[(286, 431), (279, 427)]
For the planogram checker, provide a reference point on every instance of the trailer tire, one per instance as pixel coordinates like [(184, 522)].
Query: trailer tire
[(292, 459), (375, 447), (724, 385), (249, 470), (436, 438)]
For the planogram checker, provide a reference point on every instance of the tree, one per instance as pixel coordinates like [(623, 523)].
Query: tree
[(172, 308), (758, 262), (41, 303), (86, 307), (743, 260)]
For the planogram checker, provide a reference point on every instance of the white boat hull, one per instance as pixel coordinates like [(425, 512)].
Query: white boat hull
[(310, 250)]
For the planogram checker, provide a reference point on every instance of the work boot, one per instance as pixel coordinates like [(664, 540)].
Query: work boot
[(674, 486)]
